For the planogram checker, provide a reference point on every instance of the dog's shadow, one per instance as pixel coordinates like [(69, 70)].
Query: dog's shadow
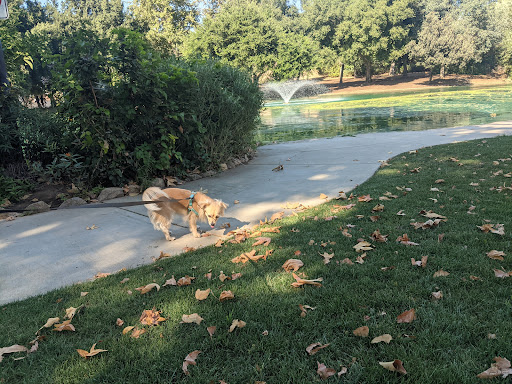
[(226, 224)]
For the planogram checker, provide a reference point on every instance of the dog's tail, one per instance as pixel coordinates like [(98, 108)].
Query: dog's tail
[(154, 193)]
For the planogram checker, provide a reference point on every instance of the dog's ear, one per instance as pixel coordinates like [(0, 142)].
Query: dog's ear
[(203, 205), (223, 204)]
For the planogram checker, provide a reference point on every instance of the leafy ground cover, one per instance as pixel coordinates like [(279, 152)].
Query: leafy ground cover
[(447, 312)]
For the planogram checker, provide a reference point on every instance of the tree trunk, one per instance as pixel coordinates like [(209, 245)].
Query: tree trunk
[(441, 72), (342, 68), (430, 79), (368, 72), (404, 65), (392, 71)]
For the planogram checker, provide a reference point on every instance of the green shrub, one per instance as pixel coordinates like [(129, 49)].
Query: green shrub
[(10, 150), (13, 189)]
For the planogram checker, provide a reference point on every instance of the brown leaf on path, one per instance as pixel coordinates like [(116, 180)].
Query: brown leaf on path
[(119, 322), (193, 318), (292, 265), (190, 359), (226, 295), (501, 274), (300, 282), (237, 324), (437, 295), (441, 273), (304, 308), (363, 331), (501, 367), (496, 255), (12, 349), (324, 372), (202, 295), (146, 288), (188, 249), (100, 275), (315, 347), (407, 316), (211, 330), (262, 241), (151, 317), (64, 326), (386, 338), (219, 243), (323, 196), (127, 329), (363, 246), (394, 366), (276, 216), (163, 255), (93, 351)]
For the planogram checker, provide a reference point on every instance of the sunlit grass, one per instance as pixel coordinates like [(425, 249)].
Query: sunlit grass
[(448, 343)]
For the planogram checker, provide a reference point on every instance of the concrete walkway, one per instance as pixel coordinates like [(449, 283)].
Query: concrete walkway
[(46, 251)]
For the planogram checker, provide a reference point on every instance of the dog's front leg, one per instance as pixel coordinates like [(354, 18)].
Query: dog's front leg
[(192, 222)]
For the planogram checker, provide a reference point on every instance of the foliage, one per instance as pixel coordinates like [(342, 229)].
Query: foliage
[(13, 189), (164, 23), (10, 146)]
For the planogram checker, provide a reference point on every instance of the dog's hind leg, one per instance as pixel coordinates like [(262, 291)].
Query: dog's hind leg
[(192, 223)]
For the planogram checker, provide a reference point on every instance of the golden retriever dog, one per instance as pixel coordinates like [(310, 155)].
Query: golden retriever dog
[(171, 201)]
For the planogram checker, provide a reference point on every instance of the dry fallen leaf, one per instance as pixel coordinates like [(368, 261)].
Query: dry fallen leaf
[(363, 246), (379, 237), (185, 280), (137, 333), (363, 331), (420, 263), (202, 295), (64, 326), (119, 322), (82, 294), (441, 273), (364, 198), (378, 208), (127, 329), (237, 324), (226, 295), (300, 282), (211, 330), (190, 359), (432, 215), (323, 196), (496, 255), (501, 274), (193, 318), (12, 349), (347, 261), (245, 257), (315, 347), (92, 352), (394, 366), (262, 241), (498, 229), (126, 279), (171, 281), (407, 316), (292, 264), (146, 288), (327, 257), (404, 239), (151, 317), (386, 338), (304, 308), (49, 323), (437, 295), (276, 216), (501, 367), (324, 372)]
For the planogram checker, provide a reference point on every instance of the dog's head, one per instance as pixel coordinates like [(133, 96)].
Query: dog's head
[(213, 210)]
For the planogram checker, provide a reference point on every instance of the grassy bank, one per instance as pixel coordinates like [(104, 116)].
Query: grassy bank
[(452, 339)]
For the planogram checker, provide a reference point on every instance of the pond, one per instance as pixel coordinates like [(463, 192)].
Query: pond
[(336, 115)]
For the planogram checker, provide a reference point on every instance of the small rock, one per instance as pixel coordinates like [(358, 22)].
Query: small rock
[(223, 167), (158, 182), (133, 189), (37, 207), (209, 173), (110, 193), (194, 176), (73, 202)]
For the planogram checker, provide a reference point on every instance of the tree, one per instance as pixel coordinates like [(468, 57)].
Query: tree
[(243, 34), (164, 23), (503, 22)]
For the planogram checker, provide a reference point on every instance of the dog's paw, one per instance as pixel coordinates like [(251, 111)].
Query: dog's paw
[(170, 238), (197, 235)]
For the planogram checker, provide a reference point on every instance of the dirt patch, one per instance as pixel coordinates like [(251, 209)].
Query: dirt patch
[(412, 82), (49, 193)]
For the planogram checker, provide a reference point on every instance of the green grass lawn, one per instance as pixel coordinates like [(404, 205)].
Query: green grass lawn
[(447, 343)]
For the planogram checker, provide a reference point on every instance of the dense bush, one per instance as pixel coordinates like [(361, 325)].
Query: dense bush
[(130, 114), (10, 150)]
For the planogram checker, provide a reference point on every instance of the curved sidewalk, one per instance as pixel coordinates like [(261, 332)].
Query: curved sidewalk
[(46, 251)]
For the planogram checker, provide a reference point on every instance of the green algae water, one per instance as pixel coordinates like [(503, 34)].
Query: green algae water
[(335, 115)]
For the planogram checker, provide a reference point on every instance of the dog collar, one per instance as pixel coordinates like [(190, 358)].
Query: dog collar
[(190, 201)]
